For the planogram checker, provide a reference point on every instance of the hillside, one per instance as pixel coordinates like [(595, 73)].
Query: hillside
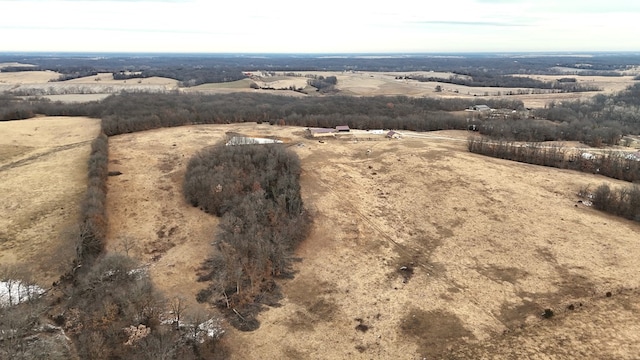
[(418, 249)]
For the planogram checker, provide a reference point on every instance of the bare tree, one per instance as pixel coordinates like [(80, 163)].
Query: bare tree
[(178, 305), (127, 243)]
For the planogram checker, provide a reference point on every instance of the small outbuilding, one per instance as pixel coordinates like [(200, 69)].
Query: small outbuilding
[(316, 132), (343, 128), (393, 135), (480, 108)]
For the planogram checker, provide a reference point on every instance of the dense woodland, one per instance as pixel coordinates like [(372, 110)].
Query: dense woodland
[(600, 120), (255, 189)]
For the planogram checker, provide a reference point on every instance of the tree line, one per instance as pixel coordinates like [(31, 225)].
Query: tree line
[(613, 165), (136, 112), (93, 220), (600, 64)]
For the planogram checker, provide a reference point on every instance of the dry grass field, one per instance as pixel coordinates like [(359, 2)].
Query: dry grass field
[(365, 83), (361, 83), (419, 249), (76, 90), (27, 77), (43, 174), (107, 78)]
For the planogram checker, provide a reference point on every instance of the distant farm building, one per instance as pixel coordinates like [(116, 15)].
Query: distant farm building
[(393, 135), (318, 132), (480, 108), (242, 140), (343, 128), (376, 132)]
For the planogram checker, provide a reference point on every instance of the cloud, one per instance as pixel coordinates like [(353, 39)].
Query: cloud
[(96, 1), (471, 23), (568, 6)]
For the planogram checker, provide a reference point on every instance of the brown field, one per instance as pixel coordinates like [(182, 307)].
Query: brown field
[(419, 249), (107, 78), (75, 98), (36, 83), (27, 77), (43, 174), (14, 64)]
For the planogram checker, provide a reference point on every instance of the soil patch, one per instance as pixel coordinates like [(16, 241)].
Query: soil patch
[(433, 330)]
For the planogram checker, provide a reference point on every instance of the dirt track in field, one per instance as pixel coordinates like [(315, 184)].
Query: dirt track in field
[(418, 249)]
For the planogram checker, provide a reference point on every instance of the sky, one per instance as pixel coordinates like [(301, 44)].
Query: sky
[(327, 26)]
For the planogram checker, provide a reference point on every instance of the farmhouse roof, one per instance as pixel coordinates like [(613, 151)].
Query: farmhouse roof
[(342, 127), (481, 107), (391, 133), (321, 130)]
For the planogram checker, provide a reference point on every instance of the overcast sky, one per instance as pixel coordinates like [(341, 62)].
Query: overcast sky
[(335, 26)]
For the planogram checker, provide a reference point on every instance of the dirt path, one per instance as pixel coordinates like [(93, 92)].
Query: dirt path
[(41, 156)]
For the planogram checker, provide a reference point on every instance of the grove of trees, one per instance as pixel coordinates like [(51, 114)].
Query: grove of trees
[(255, 190), (622, 201)]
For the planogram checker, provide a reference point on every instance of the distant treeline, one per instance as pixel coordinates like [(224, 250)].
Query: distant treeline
[(613, 165), (481, 79), (136, 112), (19, 68), (600, 64)]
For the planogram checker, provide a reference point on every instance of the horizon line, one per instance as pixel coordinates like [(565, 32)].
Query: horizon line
[(363, 53)]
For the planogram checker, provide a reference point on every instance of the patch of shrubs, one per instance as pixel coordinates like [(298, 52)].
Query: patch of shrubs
[(115, 312), (255, 190), (622, 201), (613, 165)]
